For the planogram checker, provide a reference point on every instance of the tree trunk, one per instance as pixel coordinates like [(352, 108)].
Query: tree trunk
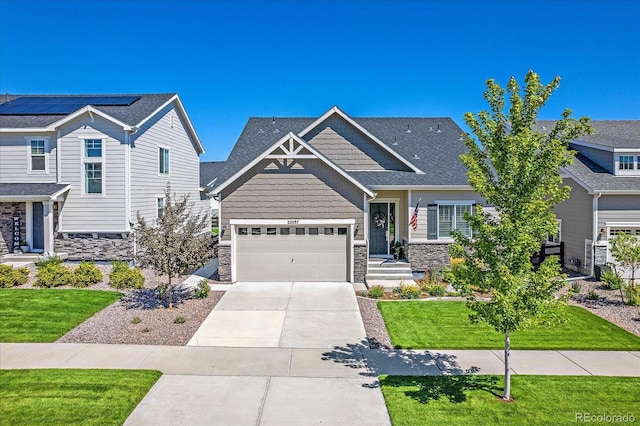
[(169, 293), (507, 367)]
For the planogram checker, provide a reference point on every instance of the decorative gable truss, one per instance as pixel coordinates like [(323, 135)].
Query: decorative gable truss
[(286, 152)]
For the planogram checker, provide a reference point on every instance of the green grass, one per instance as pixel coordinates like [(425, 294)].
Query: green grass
[(64, 397), (445, 325), (475, 400), (28, 315)]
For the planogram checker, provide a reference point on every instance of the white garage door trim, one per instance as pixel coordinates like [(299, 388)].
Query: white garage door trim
[(235, 223)]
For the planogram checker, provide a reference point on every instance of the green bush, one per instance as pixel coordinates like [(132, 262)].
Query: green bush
[(575, 288), (407, 291), (180, 320), (50, 259), (54, 275), (123, 276), (202, 290), (436, 290), (86, 274), (11, 277), (593, 295), (631, 294), (611, 280), (376, 291)]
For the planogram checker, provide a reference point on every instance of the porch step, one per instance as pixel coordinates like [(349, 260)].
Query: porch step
[(391, 272), (27, 257)]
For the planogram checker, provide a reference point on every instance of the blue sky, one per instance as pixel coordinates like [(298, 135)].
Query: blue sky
[(229, 60)]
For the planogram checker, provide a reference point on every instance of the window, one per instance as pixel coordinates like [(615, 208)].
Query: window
[(256, 231), (342, 231), (160, 207), (38, 155), (451, 217), (313, 231), (93, 178), (163, 161), (556, 238), (328, 231), (93, 148), (617, 231), (284, 231), (242, 231), (271, 231), (625, 162), (299, 231)]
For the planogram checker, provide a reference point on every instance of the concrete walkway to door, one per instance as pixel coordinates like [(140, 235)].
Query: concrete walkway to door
[(283, 315)]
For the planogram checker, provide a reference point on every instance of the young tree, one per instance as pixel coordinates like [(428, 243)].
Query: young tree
[(516, 169), (177, 242), (625, 248)]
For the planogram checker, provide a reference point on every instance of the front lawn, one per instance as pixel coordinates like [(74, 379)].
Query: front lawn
[(65, 397), (445, 325), (28, 315), (540, 400)]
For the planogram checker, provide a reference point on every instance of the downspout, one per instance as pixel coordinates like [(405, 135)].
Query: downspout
[(127, 185), (594, 238)]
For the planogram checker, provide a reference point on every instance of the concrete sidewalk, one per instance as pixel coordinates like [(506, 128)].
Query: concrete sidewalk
[(347, 362)]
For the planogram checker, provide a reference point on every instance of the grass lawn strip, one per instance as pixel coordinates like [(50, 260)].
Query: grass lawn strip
[(62, 397), (445, 325), (474, 400), (29, 316)]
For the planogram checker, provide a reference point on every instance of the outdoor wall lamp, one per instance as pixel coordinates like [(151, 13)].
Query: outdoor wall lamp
[(355, 234)]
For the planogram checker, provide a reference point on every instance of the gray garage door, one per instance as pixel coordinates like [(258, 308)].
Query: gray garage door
[(318, 253)]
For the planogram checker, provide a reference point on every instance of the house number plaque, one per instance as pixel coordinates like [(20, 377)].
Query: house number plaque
[(292, 222)]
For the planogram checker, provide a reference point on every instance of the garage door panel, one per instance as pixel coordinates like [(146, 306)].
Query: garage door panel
[(292, 257)]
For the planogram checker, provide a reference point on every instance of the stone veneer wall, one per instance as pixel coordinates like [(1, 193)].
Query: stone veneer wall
[(86, 247), (360, 258), (224, 262), (7, 210), (425, 256)]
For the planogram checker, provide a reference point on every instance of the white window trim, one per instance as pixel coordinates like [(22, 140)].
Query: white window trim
[(46, 154), (86, 160), (454, 203), (158, 158), (164, 205), (636, 163)]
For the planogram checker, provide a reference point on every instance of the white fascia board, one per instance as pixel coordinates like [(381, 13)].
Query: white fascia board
[(623, 224), (23, 198), (94, 231), (175, 98), (336, 110), (619, 192), (288, 222), (24, 130), (86, 110), (269, 150), (592, 145), (424, 187), (54, 196), (566, 174)]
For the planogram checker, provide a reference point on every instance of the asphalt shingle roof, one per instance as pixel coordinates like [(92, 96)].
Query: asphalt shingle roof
[(128, 114), (210, 172), (433, 145), (599, 179), (30, 189), (609, 133)]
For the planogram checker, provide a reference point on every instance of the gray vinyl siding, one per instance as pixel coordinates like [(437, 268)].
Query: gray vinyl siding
[(603, 158), (184, 167), (313, 191), (430, 197), (576, 214), (349, 148), (15, 157), (618, 208), (93, 212)]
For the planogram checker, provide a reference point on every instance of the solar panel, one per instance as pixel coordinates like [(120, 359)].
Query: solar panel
[(59, 105)]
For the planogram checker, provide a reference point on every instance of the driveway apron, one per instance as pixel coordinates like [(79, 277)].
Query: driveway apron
[(290, 354)]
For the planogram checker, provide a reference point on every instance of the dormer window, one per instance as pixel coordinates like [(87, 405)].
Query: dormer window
[(626, 162)]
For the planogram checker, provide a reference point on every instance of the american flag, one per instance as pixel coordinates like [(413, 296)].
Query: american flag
[(414, 217)]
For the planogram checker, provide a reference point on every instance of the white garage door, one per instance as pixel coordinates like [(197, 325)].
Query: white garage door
[(317, 253)]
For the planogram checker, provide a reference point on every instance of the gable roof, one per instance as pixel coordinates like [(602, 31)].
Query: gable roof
[(129, 117), (431, 145), (611, 135), (596, 179), (210, 171)]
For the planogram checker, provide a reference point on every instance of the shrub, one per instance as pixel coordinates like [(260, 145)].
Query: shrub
[(86, 274), (54, 274), (180, 320), (436, 290), (50, 259), (123, 276), (11, 277), (631, 294), (593, 295), (376, 291), (575, 288), (611, 279), (202, 290), (407, 291), (136, 320)]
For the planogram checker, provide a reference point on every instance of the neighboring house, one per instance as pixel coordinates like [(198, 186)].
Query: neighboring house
[(311, 199), (209, 173), (605, 194), (76, 169)]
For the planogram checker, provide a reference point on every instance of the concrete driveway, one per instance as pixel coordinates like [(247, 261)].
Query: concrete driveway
[(283, 315)]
